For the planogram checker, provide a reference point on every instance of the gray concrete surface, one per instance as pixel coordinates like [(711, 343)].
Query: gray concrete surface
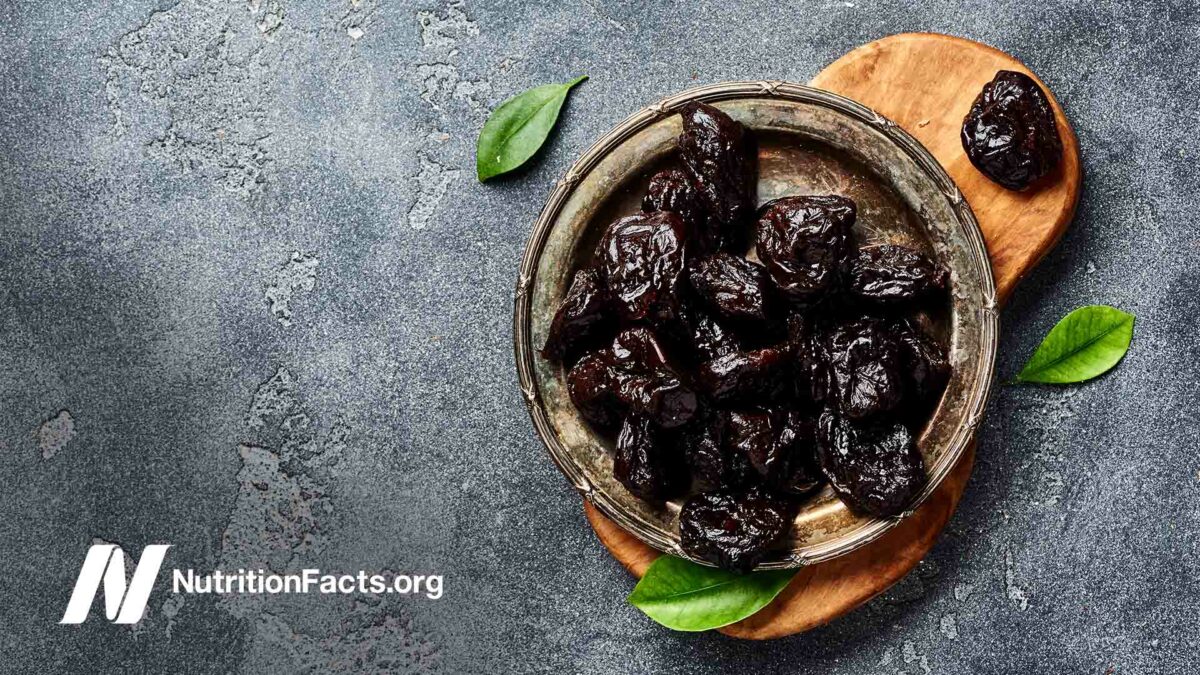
[(254, 304)]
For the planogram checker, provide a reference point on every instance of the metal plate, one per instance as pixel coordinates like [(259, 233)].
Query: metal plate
[(810, 142)]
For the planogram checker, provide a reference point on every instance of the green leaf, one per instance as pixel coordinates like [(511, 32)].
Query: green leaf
[(1087, 342), (682, 595), (517, 129)]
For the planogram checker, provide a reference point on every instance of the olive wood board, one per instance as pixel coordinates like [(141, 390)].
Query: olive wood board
[(925, 83)]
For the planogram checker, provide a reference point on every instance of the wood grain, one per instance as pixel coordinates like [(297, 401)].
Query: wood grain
[(925, 83)]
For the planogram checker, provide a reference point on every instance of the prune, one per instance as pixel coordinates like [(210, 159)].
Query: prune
[(643, 258), (804, 242), (865, 369), (718, 154), (592, 389), (889, 274), (752, 434), (583, 315), (733, 287), (924, 360), (707, 338), (810, 361), (638, 348), (713, 465), (761, 375), (644, 464), (733, 530), (672, 190), (658, 395), (796, 444), (1010, 134), (875, 470)]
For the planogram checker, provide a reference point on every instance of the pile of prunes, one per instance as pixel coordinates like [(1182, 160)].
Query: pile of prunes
[(746, 385)]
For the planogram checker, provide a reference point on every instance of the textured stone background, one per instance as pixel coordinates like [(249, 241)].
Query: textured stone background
[(254, 304)]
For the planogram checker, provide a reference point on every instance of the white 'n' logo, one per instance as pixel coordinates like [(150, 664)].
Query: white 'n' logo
[(107, 561)]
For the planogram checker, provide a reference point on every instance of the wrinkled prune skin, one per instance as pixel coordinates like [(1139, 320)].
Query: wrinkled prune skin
[(672, 190), (712, 464), (707, 338), (718, 154), (780, 446), (733, 530), (760, 375), (592, 389), (804, 243), (733, 287), (894, 274), (865, 368), (810, 360), (644, 259), (1010, 134), (796, 444), (582, 317), (924, 358), (638, 348), (645, 464), (875, 470)]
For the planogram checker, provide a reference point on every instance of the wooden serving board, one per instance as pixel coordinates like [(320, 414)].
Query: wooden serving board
[(925, 83)]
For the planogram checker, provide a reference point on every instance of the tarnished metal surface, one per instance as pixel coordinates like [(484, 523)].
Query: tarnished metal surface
[(810, 142)]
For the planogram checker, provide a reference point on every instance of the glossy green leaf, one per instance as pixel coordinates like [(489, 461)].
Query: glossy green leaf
[(682, 595), (1087, 342), (517, 129)]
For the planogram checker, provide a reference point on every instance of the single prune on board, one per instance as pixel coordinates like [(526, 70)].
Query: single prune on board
[(732, 286), (707, 338), (865, 368), (592, 388), (644, 257), (760, 375), (582, 317), (804, 243), (1010, 134), (714, 466), (874, 470), (810, 360), (924, 358), (718, 154), (732, 529), (889, 274), (672, 190), (645, 464)]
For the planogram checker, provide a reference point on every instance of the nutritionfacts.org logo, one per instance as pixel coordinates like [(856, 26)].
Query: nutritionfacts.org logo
[(125, 597)]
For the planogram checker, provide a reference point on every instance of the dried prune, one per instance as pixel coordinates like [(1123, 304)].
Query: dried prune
[(1010, 134), (760, 375), (796, 444), (707, 338), (752, 434), (875, 470), (638, 348), (713, 465), (644, 258), (804, 243), (865, 368), (924, 360), (592, 389), (645, 464), (718, 154), (889, 274), (659, 395), (583, 315), (732, 286), (733, 530), (672, 190), (810, 361)]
